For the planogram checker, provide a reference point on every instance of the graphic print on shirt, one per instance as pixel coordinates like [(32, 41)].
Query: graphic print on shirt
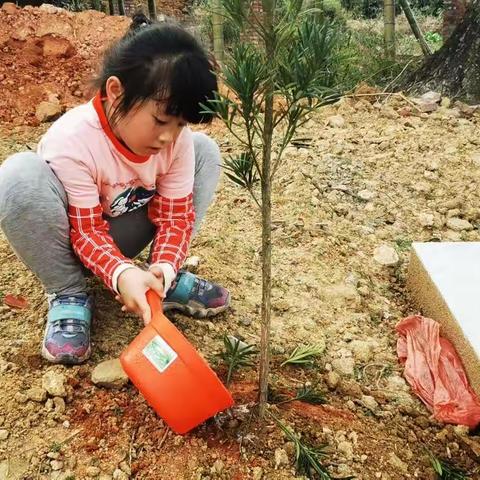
[(130, 199)]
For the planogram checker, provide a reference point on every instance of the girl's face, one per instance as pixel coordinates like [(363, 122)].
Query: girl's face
[(147, 129)]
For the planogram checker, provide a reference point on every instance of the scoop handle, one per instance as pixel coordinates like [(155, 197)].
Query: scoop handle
[(155, 303)]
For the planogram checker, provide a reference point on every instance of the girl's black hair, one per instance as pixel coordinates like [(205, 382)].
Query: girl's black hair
[(162, 62)]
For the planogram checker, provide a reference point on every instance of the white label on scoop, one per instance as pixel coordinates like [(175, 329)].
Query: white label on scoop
[(159, 353)]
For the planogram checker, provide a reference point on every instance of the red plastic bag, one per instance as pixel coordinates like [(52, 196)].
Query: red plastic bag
[(435, 372)]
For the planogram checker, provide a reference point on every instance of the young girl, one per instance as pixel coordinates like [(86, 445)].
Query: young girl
[(113, 175)]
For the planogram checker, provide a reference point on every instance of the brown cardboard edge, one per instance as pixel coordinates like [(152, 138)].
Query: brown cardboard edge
[(426, 296)]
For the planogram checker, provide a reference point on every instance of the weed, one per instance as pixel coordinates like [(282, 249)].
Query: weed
[(237, 354), (445, 470)]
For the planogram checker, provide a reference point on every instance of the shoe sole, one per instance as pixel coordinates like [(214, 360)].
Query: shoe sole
[(65, 359), (196, 311)]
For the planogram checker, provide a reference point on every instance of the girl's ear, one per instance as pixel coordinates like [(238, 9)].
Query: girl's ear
[(113, 90)]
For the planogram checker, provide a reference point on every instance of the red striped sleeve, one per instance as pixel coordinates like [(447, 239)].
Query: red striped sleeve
[(93, 244), (174, 219)]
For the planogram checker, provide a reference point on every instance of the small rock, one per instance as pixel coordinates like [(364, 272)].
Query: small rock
[(4, 434), (344, 365), (48, 111), (217, 467), (56, 465), (369, 402), (362, 350), (125, 468), (36, 394), (458, 224), (336, 121), (366, 195), (426, 219), (246, 321), (9, 8), (332, 380), (54, 383), (281, 458), (431, 97), (109, 374), (257, 473), (57, 47), (59, 403), (191, 264), (21, 397), (386, 255), (93, 471), (425, 106), (346, 449), (475, 158), (119, 475), (395, 462)]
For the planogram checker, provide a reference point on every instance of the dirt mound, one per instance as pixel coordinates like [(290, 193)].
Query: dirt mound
[(49, 51)]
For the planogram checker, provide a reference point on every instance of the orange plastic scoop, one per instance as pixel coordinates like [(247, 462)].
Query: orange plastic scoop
[(174, 379)]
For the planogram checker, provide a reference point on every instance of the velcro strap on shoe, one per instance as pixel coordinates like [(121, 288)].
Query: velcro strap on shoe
[(181, 293), (65, 312)]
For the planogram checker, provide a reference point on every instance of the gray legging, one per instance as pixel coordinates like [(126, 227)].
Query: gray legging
[(33, 216)]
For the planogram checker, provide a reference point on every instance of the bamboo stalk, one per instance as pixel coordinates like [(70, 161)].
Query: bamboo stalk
[(152, 10), (217, 26), (389, 28), (111, 7), (415, 27), (121, 7)]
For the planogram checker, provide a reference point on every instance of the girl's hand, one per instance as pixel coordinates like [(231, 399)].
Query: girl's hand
[(133, 284)]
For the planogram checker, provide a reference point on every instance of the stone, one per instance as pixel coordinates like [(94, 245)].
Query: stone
[(20, 397), (46, 7), (336, 121), (362, 350), (9, 8), (109, 374), (191, 264), (425, 106), (119, 475), (366, 195), (56, 465), (217, 467), (475, 158), (431, 97), (4, 434), (386, 255), (346, 449), (332, 379), (59, 403), (48, 111), (344, 365), (124, 467), (426, 219), (395, 462), (281, 458), (369, 402), (92, 471), (54, 383), (36, 394), (57, 47), (257, 473), (459, 224)]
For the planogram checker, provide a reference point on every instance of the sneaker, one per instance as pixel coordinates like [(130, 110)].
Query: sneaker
[(67, 334), (195, 296)]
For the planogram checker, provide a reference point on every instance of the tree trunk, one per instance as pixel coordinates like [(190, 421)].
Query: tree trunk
[(111, 8), (389, 28), (455, 69), (452, 16), (217, 26), (268, 8)]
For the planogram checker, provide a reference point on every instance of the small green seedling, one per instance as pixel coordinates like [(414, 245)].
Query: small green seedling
[(305, 393), (237, 354), (445, 470), (304, 355), (308, 459)]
